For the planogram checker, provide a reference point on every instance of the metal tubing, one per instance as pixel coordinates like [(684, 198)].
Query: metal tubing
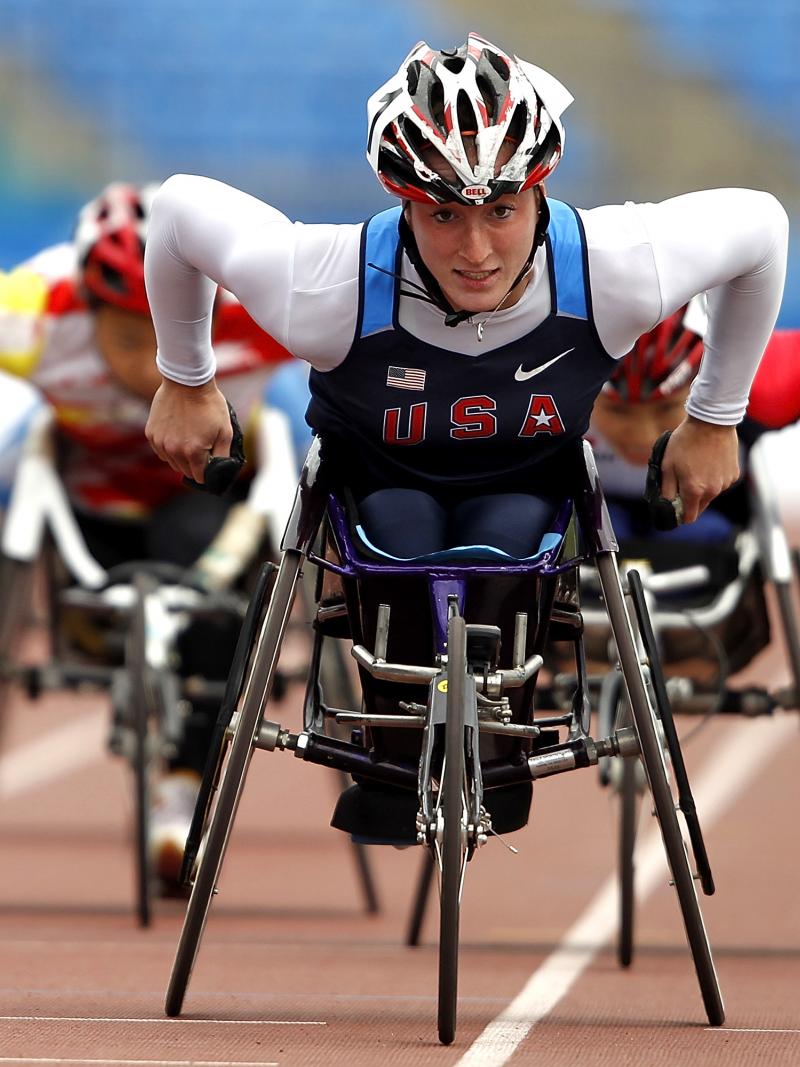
[(392, 672), (510, 679), (417, 721), (330, 752), (382, 633), (520, 638)]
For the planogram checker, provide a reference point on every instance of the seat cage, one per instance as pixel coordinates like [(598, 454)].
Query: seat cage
[(316, 498)]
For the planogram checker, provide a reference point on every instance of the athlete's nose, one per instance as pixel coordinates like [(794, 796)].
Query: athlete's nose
[(475, 246)]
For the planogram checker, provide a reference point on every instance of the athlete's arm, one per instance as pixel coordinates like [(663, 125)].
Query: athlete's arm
[(299, 283), (730, 243), (647, 260), (748, 267), (735, 249)]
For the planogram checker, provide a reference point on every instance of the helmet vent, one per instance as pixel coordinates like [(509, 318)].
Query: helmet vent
[(466, 114), (489, 97), (455, 64), (498, 63), (112, 278), (413, 76), (518, 123), (436, 103)]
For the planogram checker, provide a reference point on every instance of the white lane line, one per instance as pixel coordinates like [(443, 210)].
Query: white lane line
[(165, 1020), (733, 764), (58, 753), (159, 1063), (748, 1030)]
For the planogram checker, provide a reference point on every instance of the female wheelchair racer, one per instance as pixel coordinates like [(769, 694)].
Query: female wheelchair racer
[(486, 318)]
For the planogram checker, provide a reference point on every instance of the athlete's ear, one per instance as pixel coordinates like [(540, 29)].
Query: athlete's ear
[(407, 213)]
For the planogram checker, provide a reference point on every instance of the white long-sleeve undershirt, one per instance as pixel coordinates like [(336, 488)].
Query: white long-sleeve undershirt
[(300, 282)]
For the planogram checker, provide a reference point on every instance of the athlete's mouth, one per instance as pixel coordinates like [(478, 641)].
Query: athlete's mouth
[(477, 275)]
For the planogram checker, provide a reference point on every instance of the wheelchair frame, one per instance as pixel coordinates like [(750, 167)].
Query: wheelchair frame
[(450, 776)]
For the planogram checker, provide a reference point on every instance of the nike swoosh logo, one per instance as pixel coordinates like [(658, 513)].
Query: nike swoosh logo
[(523, 375)]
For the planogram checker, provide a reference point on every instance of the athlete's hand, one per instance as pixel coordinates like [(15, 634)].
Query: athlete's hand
[(701, 461), (189, 424)]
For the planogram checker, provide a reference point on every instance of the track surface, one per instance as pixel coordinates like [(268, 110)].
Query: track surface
[(292, 971)]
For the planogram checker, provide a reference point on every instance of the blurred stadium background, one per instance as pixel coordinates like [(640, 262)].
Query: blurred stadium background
[(270, 96)]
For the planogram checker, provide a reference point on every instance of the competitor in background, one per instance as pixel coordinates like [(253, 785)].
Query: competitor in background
[(75, 323), (647, 395)]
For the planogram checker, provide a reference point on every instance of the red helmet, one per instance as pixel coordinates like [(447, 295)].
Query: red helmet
[(461, 107), (109, 240), (663, 360)]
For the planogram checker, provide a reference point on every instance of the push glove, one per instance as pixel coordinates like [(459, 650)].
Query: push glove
[(665, 514), (222, 471)]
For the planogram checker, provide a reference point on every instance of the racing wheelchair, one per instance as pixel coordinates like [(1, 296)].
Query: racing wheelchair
[(449, 649), (132, 622), (115, 631)]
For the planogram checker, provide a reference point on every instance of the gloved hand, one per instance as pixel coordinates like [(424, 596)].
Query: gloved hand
[(222, 471), (665, 514)]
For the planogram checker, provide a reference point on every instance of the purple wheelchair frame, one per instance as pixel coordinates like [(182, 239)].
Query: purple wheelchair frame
[(315, 500)]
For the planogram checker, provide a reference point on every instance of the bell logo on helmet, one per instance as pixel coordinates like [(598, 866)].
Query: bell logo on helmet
[(477, 192)]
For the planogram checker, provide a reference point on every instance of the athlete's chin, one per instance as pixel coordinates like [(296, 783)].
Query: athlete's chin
[(465, 298)]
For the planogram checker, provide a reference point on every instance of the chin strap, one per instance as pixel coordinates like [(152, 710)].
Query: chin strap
[(433, 292)]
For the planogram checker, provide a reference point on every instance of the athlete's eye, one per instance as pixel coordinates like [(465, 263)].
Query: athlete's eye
[(444, 215), (503, 211)]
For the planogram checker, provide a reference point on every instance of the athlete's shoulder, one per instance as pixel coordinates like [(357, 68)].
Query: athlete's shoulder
[(325, 254), (614, 227)]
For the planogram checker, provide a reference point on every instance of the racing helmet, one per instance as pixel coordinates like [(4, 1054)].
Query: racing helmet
[(109, 241), (664, 359), (461, 107)]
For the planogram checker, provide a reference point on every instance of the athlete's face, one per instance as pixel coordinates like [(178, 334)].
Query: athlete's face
[(475, 252), (127, 342), (632, 429)]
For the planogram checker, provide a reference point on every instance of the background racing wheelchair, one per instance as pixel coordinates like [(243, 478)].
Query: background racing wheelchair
[(120, 630), (448, 729), (702, 603), (144, 631)]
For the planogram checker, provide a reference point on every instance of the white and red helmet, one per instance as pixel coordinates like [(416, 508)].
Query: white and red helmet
[(664, 359), (465, 105), (109, 241)]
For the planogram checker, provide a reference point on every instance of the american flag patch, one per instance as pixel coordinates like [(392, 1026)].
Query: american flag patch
[(406, 378)]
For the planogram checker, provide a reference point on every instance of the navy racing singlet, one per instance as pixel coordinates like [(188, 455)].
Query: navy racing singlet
[(401, 412)]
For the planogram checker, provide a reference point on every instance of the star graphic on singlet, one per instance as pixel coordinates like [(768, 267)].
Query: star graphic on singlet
[(542, 418)]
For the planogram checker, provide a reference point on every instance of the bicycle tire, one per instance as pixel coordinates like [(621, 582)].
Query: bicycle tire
[(628, 819), (136, 666), (452, 848), (627, 794), (15, 582)]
